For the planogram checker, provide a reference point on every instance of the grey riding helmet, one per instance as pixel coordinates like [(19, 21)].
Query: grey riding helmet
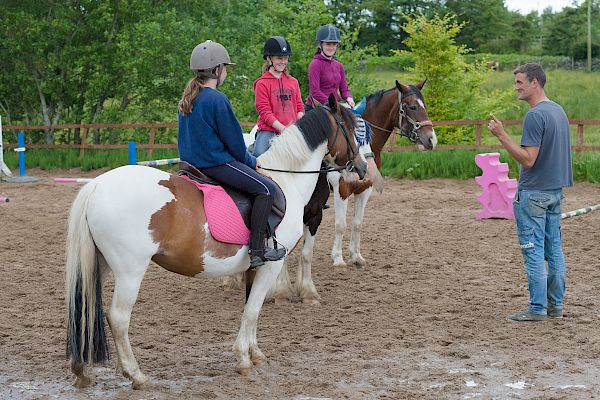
[(209, 55), (277, 46), (328, 33)]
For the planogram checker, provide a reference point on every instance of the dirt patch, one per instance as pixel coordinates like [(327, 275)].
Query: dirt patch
[(424, 319)]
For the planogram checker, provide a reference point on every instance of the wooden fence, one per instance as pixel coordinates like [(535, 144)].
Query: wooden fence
[(391, 145)]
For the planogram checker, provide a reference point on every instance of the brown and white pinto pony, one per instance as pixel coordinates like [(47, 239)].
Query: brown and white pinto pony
[(133, 214), (401, 107)]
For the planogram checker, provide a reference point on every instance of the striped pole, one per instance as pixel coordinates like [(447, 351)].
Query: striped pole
[(72, 180), (4, 199), (154, 163), (579, 212)]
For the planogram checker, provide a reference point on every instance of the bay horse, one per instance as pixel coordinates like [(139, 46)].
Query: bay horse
[(128, 216), (402, 107)]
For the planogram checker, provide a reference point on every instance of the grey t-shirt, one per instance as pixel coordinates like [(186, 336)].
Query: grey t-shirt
[(546, 126)]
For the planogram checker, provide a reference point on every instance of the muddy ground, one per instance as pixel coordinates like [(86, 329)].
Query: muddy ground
[(425, 319)]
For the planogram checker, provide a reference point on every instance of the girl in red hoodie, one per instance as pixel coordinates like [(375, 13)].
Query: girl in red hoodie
[(277, 94)]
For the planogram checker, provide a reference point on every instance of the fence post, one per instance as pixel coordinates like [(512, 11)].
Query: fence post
[(579, 137), (478, 135), (83, 142), (151, 141)]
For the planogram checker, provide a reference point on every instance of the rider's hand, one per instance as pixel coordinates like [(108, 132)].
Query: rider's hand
[(350, 102)]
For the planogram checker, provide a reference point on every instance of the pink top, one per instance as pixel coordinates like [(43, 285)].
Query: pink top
[(326, 76), (277, 99)]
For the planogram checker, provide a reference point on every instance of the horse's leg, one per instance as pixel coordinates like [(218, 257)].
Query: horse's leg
[(127, 286), (304, 283), (282, 292), (360, 203), (341, 206), (245, 346)]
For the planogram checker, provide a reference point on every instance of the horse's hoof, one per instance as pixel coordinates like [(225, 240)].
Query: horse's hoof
[(140, 383), (244, 368), (258, 358), (359, 261), (340, 264), (311, 302), (82, 382), (282, 300)]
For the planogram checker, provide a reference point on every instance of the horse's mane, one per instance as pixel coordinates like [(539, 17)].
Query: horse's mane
[(378, 95)]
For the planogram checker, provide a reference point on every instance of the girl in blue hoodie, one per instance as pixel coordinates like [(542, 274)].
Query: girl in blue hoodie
[(210, 138)]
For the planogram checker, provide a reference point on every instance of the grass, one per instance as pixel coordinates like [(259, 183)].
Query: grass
[(460, 164)]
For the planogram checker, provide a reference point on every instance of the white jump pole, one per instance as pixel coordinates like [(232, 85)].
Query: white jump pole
[(72, 180), (3, 168), (575, 213), (154, 163)]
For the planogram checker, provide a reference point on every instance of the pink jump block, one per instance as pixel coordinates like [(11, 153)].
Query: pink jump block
[(498, 189)]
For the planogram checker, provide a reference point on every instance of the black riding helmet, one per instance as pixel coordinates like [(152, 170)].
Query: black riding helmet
[(277, 46), (328, 33)]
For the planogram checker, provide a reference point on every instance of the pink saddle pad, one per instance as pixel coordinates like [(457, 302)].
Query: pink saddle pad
[(224, 219)]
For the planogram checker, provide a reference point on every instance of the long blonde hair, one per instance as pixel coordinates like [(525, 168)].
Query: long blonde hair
[(192, 90)]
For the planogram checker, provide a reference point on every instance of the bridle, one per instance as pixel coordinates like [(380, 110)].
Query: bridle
[(413, 134), (350, 152)]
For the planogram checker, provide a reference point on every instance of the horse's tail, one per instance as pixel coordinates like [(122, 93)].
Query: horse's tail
[(86, 339)]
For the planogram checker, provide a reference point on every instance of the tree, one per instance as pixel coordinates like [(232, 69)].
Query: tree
[(454, 89)]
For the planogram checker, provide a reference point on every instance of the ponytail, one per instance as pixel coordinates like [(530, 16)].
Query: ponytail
[(192, 90)]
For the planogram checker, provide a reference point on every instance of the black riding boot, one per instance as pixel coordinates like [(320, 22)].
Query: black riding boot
[(259, 252)]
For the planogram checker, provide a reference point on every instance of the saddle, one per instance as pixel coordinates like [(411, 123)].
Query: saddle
[(219, 214)]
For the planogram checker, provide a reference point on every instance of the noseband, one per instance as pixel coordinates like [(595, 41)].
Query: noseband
[(413, 134)]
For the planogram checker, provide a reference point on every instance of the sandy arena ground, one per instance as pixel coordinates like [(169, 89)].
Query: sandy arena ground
[(425, 319)]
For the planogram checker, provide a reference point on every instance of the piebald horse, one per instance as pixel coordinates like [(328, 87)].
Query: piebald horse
[(402, 107), (133, 214)]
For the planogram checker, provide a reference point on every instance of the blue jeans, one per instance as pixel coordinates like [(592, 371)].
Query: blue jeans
[(262, 142), (537, 214)]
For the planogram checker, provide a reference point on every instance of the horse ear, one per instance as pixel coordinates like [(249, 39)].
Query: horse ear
[(420, 85), (331, 101), (402, 88), (315, 102)]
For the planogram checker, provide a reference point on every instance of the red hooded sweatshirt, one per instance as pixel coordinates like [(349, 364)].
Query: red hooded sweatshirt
[(277, 99)]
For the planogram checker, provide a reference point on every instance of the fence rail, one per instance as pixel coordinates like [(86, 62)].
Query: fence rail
[(390, 145)]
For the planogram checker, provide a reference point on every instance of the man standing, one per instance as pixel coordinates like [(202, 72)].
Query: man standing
[(545, 159)]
